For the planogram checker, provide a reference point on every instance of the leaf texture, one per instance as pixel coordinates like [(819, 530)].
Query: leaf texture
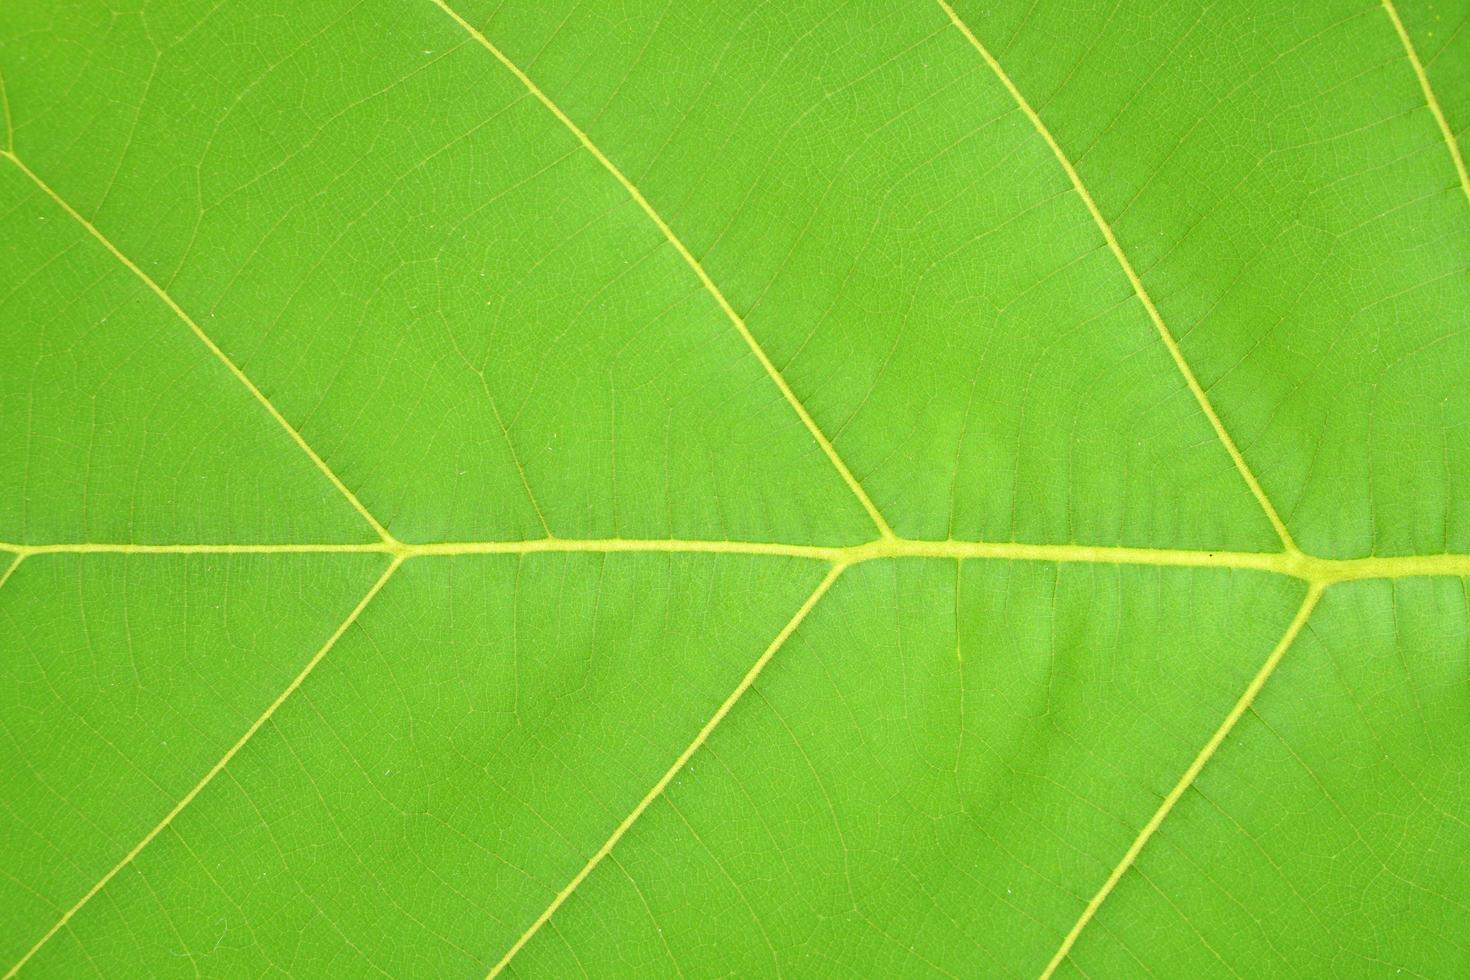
[(809, 489)]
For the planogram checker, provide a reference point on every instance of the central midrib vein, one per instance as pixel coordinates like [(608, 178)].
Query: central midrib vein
[(1295, 564)]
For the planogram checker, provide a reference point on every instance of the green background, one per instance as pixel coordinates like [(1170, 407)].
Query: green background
[(428, 436)]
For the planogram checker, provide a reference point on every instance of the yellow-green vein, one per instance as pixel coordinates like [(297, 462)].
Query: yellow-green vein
[(1309, 568), (1450, 142), (673, 770), (694, 264), (214, 770), (1170, 343), (10, 567), (1190, 774), (204, 338)]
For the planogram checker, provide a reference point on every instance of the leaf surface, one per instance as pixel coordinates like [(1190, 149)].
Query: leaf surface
[(787, 489)]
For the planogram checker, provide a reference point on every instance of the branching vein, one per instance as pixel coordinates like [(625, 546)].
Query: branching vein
[(1165, 334), (204, 338), (673, 770), (10, 566), (1190, 774), (214, 770), (694, 264), (1429, 97)]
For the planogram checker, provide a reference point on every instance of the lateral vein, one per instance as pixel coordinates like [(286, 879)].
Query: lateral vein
[(1429, 97), (673, 770), (1190, 774), (10, 567), (214, 770), (694, 264), (1170, 344), (204, 338)]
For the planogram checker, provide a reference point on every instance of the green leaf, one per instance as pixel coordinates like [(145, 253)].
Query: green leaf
[(735, 489)]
